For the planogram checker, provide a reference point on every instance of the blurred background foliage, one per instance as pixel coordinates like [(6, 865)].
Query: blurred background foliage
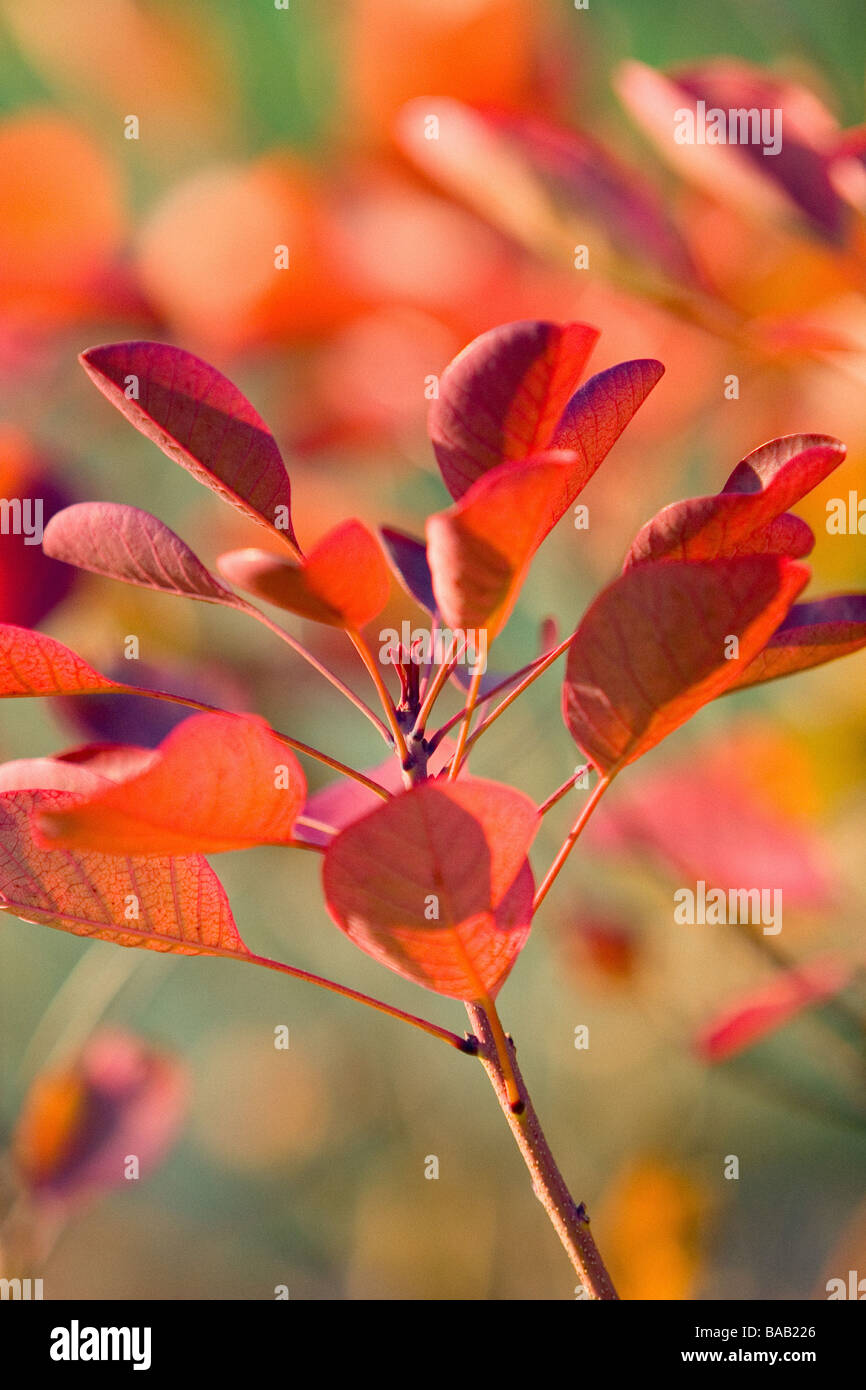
[(305, 1167)]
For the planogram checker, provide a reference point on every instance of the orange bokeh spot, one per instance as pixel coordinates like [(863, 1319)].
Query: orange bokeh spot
[(210, 256), (477, 50), (61, 217), (50, 1125)]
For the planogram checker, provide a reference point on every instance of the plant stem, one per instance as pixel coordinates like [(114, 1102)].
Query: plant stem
[(294, 743), (335, 764), (318, 666), (570, 841), (435, 687), (312, 824), (538, 669), (503, 1055), (462, 1044), (567, 1218), (474, 687), (387, 703), (562, 791), (428, 664)]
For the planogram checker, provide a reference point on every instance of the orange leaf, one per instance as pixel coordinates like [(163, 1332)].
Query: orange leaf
[(33, 664), (480, 549), (62, 222), (344, 581), (480, 52), (218, 782)]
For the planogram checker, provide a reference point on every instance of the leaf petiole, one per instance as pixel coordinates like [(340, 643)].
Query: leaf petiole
[(570, 841), (474, 687), (562, 791), (318, 666), (387, 703), (462, 1044), (535, 669)]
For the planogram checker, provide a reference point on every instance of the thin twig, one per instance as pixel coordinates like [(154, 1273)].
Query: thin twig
[(539, 666), (436, 685), (456, 761), (294, 743)]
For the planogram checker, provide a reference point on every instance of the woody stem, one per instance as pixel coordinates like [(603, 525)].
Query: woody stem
[(567, 1218)]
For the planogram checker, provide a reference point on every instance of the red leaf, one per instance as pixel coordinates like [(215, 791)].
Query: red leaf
[(749, 515), (597, 414), (33, 664), (480, 549), (131, 545), (503, 395), (454, 848), (218, 782), (180, 903), (786, 468), (81, 1120), (590, 184), (811, 634), (785, 535), (764, 1010), (202, 421), (766, 187), (651, 649), (800, 166), (344, 581)]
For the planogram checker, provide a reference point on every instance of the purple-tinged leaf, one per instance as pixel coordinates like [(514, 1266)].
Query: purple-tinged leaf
[(811, 634), (201, 421), (503, 395), (408, 559), (599, 411), (125, 543)]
